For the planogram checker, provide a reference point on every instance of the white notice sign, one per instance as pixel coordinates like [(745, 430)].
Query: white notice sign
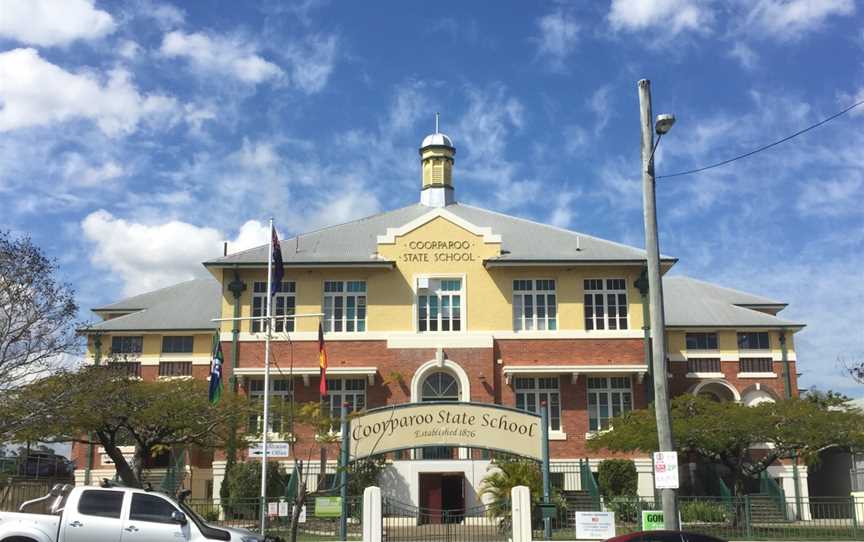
[(272, 509), (666, 470), (274, 449), (595, 525)]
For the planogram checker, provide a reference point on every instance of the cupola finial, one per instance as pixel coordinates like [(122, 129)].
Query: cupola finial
[(436, 157)]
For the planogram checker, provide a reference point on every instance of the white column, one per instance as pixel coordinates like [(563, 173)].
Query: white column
[(372, 514), (520, 498)]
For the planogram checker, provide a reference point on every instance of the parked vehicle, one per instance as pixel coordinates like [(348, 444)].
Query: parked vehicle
[(112, 514), (665, 536)]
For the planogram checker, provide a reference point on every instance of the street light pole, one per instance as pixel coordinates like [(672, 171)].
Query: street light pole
[(655, 295)]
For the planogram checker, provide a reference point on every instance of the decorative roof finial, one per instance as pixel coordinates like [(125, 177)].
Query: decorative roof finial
[(436, 124)]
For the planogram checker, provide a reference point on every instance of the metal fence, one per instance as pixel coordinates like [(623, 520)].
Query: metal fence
[(737, 518), (403, 522), (313, 526), (857, 476)]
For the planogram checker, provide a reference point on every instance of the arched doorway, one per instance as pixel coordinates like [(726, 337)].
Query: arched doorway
[(439, 386), (716, 390)]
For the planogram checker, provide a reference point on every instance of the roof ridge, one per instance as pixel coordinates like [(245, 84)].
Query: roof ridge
[(550, 226), (728, 289), (151, 292), (324, 228)]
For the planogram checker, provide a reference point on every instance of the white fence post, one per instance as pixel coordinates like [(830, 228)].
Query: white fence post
[(372, 514), (520, 503)]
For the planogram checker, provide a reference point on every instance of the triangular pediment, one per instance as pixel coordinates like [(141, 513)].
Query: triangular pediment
[(486, 233)]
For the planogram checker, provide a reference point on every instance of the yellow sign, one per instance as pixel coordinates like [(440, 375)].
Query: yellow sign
[(446, 424)]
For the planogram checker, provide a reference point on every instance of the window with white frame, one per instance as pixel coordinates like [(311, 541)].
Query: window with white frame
[(607, 397), (280, 395), (532, 392), (439, 304), (534, 305), (701, 341), (344, 305), (127, 344), (350, 391), (605, 304), (753, 340), (284, 304)]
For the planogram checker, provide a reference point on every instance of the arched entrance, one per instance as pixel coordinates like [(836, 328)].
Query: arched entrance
[(716, 390)]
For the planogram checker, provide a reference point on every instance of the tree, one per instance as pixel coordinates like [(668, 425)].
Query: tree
[(617, 478), (117, 411), (507, 473), (726, 433), (37, 314), (854, 367)]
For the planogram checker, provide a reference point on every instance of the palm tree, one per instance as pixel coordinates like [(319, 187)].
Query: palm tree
[(504, 476)]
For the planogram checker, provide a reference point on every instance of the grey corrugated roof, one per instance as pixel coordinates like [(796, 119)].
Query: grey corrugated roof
[(694, 303), (356, 242), (187, 305)]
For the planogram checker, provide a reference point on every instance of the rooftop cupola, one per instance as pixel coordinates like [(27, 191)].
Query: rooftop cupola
[(436, 158)]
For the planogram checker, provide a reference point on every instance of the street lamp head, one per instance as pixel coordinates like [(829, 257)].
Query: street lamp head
[(664, 123)]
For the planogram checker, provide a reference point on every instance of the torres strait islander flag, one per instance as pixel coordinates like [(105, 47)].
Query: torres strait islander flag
[(322, 360), (216, 371), (278, 265)]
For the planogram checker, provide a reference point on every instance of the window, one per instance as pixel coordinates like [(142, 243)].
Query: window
[(102, 503), (534, 305), (756, 365), (280, 393), (175, 368), (754, 340), (440, 386), (605, 304), (129, 369), (126, 345), (344, 305), (703, 365), (701, 341), (151, 508), (531, 393), (351, 391), (177, 344), (283, 305), (439, 305), (607, 397)]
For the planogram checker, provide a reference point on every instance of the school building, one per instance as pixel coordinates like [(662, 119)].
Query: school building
[(444, 301)]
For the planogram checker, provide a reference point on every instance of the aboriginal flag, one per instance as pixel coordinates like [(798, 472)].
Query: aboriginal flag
[(322, 360)]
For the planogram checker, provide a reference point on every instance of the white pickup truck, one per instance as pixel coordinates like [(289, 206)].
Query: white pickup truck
[(112, 514)]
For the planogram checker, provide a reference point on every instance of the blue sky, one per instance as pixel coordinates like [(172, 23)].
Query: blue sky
[(136, 136)]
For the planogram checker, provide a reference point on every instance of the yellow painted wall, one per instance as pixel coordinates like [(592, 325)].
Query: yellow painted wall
[(152, 346), (727, 342), (390, 293)]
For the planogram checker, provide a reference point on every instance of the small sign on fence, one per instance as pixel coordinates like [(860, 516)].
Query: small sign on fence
[(328, 507), (666, 470), (274, 449), (652, 520), (595, 525)]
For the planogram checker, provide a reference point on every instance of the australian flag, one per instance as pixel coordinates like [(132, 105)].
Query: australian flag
[(278, 266), (216, 371)]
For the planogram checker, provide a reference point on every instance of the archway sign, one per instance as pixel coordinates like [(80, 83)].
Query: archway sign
[(446, 423)]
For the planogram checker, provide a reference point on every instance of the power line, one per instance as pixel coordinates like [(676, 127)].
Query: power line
[(765, 147)]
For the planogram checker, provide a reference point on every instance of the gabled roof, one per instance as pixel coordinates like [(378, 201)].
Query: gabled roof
[(689, 302), (356, 243), (189, 305)]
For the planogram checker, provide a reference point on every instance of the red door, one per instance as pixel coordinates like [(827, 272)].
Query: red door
[(430, 497)]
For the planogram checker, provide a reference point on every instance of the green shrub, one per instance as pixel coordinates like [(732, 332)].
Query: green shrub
[(626, 509), (210, 515), (703, 512), (244, 483), (617, 478)]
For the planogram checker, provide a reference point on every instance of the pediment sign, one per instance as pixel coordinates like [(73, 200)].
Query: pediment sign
[(439, 236)]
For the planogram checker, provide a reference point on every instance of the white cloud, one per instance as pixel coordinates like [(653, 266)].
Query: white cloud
[(599, 105), (150, 256), (223, 55), (834, 197), (128, 49), (789, 19), (312, 62), (79, 172), (745, 55), (53, 22), (35, 92), (559, 34), (673, 16)]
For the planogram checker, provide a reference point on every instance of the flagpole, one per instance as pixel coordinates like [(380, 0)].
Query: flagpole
[(266, 428)]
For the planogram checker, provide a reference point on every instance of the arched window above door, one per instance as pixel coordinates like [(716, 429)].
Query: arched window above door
[(440, 386)]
